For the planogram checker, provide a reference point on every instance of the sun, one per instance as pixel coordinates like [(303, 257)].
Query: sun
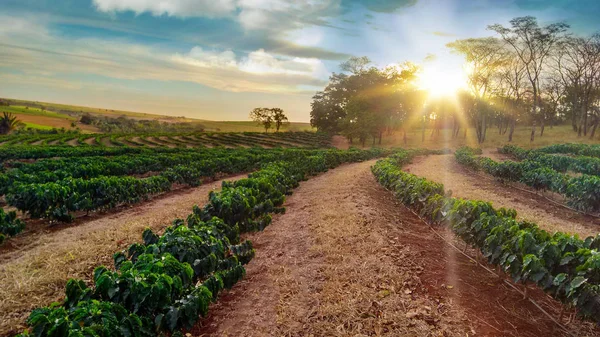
[(441, 83)]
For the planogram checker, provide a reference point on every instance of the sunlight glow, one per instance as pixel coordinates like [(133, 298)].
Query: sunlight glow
[(440, 82)]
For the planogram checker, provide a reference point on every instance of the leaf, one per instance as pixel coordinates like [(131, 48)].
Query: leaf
[(559, 279), (577, 282)]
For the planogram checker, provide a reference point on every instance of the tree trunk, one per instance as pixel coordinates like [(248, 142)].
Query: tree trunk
[(585, 121), (574, 119), (581, 121), (484, 128), (593, 131), (380, 135), (532, 132), (512, 129), (404, 137), (542, 128)]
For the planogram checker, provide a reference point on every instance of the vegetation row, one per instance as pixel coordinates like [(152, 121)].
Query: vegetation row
[(582, 192), (563, 265), (166, 283)]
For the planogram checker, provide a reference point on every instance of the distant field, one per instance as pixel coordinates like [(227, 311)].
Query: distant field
[(251, 126), (61, 115), (45, 120)]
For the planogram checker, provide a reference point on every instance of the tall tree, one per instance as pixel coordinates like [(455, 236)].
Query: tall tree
[(532, 45), (511, 91), (578, 64), (484, 57)]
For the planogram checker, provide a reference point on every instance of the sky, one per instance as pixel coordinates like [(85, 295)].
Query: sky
[(219, 59)]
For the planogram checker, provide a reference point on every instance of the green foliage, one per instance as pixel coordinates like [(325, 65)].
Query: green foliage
[(167, 282), (561, 163), (9, 224), (563, 265), (124, 124), (582, 193), (87, 318)]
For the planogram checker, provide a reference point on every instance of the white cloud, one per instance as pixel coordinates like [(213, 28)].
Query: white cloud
[(180, 8), (31, 50), (273, 15), (258, 62), (205, 58)]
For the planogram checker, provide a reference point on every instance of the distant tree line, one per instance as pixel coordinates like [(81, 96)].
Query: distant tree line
[(126, 125), (526, 74)]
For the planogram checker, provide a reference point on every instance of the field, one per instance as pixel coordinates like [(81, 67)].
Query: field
[(242, 233), (45, 120), (62, 115)]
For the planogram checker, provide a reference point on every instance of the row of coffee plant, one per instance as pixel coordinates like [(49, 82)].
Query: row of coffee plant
[(590, 150), (167, 282), (563, 265), (173, 139), (558, 162), (581, 192), (59, 199), (207, 161)]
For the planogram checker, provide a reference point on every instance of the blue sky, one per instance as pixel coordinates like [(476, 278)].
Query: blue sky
[(217, 60)]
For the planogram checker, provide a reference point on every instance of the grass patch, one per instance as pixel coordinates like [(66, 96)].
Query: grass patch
[(23, 110)]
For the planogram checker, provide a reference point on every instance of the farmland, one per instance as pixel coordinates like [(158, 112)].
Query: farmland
[(293, 233), (237, 232), (168, 232), (45, 115)]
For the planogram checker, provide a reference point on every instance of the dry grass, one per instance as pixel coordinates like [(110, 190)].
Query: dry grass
[(328, 267), (35, 275)]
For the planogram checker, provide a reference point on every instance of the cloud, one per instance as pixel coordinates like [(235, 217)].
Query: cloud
[(443, 34), (27, 46), (381, 6), (179, 8), (258, 71), (272, 15)]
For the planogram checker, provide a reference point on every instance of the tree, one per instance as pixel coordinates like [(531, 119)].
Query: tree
[(532, 45), (364, 95), (578, 65), (484, 57), (511, 91), (279, 117), (326, 113), (263, 117), (8, 122)]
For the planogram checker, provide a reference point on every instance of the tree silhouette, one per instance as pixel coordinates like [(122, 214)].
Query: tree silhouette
[(279, 117), (8, 122), (263, 117)]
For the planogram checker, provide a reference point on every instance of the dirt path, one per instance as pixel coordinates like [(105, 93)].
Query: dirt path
[(466, 184), (340, 142), (495, 155), (36, 274), (347, 260)]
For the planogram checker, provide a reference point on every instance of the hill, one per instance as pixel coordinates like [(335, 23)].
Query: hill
[(44, 115)]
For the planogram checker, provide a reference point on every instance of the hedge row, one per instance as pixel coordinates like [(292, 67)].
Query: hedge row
[(563, 265), (59, 199), (573, 148), (560, 163), (582, 193)]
